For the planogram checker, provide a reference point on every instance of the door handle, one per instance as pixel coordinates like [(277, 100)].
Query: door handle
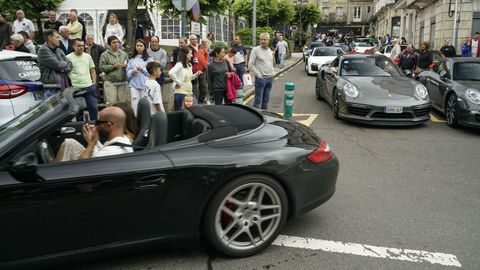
[(150, 181)]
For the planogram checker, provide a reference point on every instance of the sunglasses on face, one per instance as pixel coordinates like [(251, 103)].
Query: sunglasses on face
[(99, 122)]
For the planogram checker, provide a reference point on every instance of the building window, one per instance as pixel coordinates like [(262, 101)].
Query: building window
[(369, 8), (225, 29), (325, 13), (170, 27), (339, 13), (432, 33), (218, 28), (211, 26), (357, 14), (63, 18), (88, 22)]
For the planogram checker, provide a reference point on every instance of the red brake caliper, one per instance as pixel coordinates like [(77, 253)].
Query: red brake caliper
[(226, 218)]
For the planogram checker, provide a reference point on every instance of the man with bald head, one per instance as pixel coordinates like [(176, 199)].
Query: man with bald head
[(111, 125)]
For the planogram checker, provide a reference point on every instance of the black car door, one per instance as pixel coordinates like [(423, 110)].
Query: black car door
[(331, 78), (81, 204), (435, 83)]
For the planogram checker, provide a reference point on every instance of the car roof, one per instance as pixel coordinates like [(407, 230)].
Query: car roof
[(11, 55), (361, 55), (464, 59)]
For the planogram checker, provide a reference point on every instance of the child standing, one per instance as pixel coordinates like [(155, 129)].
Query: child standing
[(152, 88), (187, 102)]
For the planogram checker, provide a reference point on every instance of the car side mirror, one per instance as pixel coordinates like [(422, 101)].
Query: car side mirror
[(25, 169)]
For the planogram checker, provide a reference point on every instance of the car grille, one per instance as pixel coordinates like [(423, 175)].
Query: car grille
[(419, 112), (403, 115), (358, 111)]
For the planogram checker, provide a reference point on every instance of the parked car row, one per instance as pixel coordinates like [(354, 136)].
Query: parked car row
[(372, 89)]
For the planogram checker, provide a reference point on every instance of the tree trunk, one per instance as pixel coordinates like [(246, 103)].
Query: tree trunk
[(131, 23)]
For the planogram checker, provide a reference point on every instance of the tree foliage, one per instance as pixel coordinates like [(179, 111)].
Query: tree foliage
[(269, 12), (309, 14), (207, 7), (31, 8), (246, 34)]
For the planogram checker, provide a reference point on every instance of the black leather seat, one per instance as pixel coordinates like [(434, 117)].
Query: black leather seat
[(144, 119), (158, 130)]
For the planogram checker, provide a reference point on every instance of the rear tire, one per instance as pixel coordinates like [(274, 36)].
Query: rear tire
[(245, 215)]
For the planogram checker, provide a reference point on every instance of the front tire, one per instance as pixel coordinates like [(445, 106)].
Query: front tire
[(451, 110), (246, 215), (335, 104)]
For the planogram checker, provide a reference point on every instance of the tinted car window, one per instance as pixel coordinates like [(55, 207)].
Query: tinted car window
[(363, 44), (468, 71), (315, 45), (19, 70), (369, 67), (325, 52)]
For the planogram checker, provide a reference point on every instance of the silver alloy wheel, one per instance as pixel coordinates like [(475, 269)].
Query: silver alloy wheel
[(248, 216), (451, 110)]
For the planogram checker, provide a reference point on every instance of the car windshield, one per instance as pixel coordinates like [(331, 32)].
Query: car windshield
[(363, 44), (325, 51), (315, 45), (369, 67), (467, 71), (19, 70), (16, 127)]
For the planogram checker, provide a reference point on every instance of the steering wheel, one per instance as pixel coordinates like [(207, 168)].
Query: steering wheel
[(45, 152)]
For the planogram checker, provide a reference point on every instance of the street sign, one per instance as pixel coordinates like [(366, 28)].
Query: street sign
[(188, 4), (195, 28)]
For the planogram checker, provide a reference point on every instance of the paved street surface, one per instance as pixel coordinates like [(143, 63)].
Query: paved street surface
[(407, 198)]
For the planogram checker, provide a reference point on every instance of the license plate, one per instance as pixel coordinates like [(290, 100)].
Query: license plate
[(393, 109)]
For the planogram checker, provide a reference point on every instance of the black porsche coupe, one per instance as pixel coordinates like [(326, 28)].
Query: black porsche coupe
[(228, 174)]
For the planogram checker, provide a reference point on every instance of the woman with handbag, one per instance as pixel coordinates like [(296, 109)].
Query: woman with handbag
[(217, 73)]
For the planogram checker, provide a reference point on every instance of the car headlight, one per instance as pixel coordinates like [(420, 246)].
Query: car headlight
[(350, 90), (421, 91), (473, 95)]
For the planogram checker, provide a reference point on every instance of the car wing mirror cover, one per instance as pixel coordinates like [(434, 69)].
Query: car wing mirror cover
[(25, 169)]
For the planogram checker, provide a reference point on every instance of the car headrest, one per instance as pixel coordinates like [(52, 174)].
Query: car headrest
[(158, 130), (144, 119)]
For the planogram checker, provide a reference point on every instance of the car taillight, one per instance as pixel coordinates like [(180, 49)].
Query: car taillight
[(321, 154), (8, 91)]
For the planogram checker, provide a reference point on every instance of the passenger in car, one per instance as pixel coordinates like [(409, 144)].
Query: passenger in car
[(131, 125), (111, 124)]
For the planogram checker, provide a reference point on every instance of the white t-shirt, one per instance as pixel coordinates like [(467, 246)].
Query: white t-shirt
[(107, 149), (23, 25), (282, 46), (152, 93), (474, 47)]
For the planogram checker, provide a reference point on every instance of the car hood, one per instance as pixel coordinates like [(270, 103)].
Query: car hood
[(470, 84), (320, 59), (384, 87)]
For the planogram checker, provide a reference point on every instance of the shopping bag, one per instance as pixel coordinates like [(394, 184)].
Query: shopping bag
[(247, 79)]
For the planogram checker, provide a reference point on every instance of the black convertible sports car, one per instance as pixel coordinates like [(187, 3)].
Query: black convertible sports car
[(372, 89), (228, 174), (454, 87)]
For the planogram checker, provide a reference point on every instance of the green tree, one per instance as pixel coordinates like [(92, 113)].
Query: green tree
[(207, 8), (32, 11), (286, 12), (307, 14), (267, 11)]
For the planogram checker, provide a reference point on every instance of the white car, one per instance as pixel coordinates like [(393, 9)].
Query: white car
[(320, 56), (19, 83), (387, 50), (362, 46)]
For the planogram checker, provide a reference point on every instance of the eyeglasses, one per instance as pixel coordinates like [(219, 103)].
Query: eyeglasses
[(99, 122)]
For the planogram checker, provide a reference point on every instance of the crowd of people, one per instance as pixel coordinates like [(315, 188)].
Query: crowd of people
[(70, 57)]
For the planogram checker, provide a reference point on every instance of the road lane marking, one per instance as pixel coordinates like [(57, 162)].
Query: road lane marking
[(410, 255), (436, 119), (246, 101), (309, 120)]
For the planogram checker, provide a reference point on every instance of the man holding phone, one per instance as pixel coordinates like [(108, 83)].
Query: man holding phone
[(84, 76)]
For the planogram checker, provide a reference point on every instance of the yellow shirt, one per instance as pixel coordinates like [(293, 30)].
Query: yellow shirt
[(186, 87), (75, 29)]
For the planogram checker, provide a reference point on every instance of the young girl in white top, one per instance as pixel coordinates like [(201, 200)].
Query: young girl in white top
[(137, 72), (182, 76)]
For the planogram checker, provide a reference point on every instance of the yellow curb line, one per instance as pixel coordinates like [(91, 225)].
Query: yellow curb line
[(436, 119)]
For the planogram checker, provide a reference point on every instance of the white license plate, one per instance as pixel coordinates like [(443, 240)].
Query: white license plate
[(393, 109)]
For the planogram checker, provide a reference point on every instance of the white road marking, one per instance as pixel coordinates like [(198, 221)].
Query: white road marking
[(410, 255)]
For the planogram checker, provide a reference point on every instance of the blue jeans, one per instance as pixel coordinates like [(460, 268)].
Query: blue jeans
[(281, 57), (263, 87), (239, 70), (91, 100)]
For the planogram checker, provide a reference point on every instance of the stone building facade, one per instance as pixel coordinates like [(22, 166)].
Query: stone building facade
[(427, 20), (344, 16)]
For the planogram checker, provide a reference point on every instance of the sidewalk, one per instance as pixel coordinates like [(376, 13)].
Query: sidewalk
[(290, 62)]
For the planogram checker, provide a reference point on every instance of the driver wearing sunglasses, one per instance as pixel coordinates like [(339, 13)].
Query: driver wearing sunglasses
[(111, 125)]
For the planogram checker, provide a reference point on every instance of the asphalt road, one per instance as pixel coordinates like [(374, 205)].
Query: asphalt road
[(406, 188)]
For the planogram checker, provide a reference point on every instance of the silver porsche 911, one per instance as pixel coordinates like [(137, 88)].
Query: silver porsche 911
[(372, 89)]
